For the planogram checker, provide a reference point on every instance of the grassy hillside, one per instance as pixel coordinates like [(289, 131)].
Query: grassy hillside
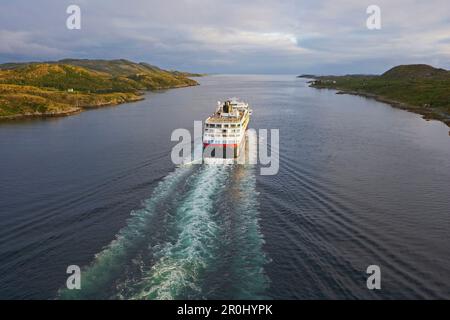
[(123, 75), (27, 101), (68, 86), (416, 72), (126, 68), (418, 88), (65, 77)]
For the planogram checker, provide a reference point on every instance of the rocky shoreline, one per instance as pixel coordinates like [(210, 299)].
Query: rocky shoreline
[(68, 111), (426, 113), (76, 110), (66, 87), (417, 88)]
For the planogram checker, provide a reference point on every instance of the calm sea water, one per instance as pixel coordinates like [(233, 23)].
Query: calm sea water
[(360, 183)]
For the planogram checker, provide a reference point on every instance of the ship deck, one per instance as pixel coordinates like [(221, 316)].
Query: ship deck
[(217, 118)]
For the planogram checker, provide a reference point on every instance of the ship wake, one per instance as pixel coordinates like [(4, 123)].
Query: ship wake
[(196, 237)]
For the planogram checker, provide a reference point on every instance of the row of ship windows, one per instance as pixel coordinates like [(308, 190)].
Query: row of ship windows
[(231, 125), (223, 136), (221, 141), (223, 131)]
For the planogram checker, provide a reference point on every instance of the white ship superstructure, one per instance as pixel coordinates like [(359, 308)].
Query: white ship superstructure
[(224, 131)]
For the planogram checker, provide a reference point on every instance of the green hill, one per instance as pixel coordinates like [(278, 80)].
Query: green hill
[(418, 88), (416, 72), (18, 101), (120, 67), (65, 77), (106, 75), (70, 85), (145, 76)]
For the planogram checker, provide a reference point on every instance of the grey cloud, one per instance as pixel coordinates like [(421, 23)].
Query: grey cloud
[(232, 36)]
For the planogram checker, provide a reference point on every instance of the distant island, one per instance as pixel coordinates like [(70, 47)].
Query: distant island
[(419, 88), (69, 86)]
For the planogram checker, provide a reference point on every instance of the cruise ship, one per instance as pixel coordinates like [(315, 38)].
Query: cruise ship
[(224, 131)]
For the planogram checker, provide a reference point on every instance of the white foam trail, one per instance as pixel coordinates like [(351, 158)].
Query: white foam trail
[(181, 264), (109, 263)]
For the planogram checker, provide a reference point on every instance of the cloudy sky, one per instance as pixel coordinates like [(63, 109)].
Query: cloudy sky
[(230, 36)]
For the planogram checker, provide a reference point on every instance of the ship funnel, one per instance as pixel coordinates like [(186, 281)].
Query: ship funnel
[(227, 108)]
